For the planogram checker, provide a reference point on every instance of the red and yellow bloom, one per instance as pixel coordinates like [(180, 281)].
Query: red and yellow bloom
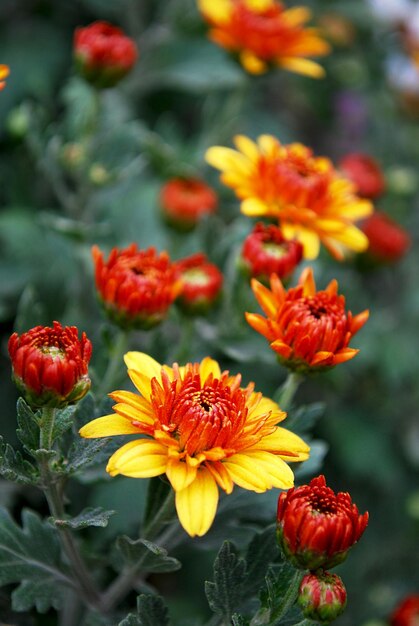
[(201, 283), (308, 329), (50, 365), (202, 430), (264, 33), (136, 287), (306, 194), (4, 73), (316, 526)]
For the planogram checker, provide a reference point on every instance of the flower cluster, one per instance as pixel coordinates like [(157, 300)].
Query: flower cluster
[(50, 364), (308, 329), (264, 33), (203, 430), (311, 200)]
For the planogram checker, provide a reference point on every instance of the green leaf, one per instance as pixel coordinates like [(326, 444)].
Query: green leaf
[(280, 592), (81, 101), (262, 551), (31, 555), (64, 420), (152, 611), (88, 517), (130, 620), (152, 557), (226, 592), (85, 452), (239, 620), (28, 422), (303, 419), (156, 495), (14, 467)]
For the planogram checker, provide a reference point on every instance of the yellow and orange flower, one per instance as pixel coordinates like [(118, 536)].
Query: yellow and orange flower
[(202, 430), (312, 201), (308, 329), (264, 33), (4, 73)]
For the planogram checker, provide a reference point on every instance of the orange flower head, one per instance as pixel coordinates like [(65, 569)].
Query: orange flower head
[(264, 33), (4, 73), (203, 430), (309, 330), (306, 194), (184, 201), (136, 287), (201, 283)]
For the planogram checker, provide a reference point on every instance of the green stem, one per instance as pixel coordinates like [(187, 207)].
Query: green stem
[(114, 363), (124, 582), (288, 390), (46, 427)]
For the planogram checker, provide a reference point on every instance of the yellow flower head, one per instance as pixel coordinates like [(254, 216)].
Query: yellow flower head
[(202, 430), (311, 200), (264, 33)]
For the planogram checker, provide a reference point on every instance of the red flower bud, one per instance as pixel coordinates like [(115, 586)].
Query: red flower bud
[(316, 527), (388, 242), (50, 365), (185, 200), (322, 596), (201, 283), (365, 173), (136, 287), (407, 613), (266, 251), (103, 53)]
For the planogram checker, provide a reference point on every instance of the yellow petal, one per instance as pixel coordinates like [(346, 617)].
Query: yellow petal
[(296, 16), (253, 207), (108, 426), (309, 239), (180, 473), (142, 383), (133, 414), (277, 473), (244, 473), (227, 159), (247, 146), (218, 11), (142, 458), (135, 401), (353, 238), (268, 144), (143, 363), (252, 63), (302, 66), (197, 504), (209, 366), (283, 440)]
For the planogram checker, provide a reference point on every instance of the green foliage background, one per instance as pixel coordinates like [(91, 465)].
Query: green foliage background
[(184, 95)]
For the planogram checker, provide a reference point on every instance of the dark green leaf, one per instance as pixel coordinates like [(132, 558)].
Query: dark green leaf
[(14, 467), (280, 593), (85, 452), (152, 611), (262, 551), (28, 422), (303, 419), (226, 592), (156, 495), (130, 620), (152, 557), (31, 555), (88, 517), (81, 101), (64, 419), (239, 620)]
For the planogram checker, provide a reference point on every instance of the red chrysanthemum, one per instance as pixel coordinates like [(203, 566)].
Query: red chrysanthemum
[(365, 173), (407, 613), (184, 201), (50, 365), (316, 527), (104, 54), (308, 329), (266, 251), (136, 286), (201, 283), (388, 241), (322, 596)]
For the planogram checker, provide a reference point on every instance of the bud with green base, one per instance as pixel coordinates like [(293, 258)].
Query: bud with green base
[(322, 596)]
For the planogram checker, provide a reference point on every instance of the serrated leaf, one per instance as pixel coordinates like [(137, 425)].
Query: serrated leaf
[(31, 555), (63, 421), (28, 422), (85, 452), (262, 551), (152, 558), (14, 467), (280, 592), (130, 620), (226, 592), (88, 517), (239, 620), (152, 611)]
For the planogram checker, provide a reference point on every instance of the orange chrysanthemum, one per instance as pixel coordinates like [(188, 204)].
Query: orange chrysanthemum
[(4, 73), (311, 200), (200, 428), (264, 33), (308, 329)]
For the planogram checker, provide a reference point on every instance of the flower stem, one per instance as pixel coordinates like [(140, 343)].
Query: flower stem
[(287, 391), (114, 363), (46, 427)]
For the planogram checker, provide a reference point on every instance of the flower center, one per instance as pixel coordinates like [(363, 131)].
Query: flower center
[(53, 351), (274, 250), (323, 502), (195, 277)]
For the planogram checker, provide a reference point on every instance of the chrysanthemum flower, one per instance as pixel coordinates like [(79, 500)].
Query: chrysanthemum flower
[(202, 430), (312, 201), (264, 33), (266, 251), (201, 283), (388, 241), (308, 329), (136, 287), (407, 613), (322, 596), (104, 54), (184, 201), (4, 73), (50, 365), (365, 173), (316, 527)]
